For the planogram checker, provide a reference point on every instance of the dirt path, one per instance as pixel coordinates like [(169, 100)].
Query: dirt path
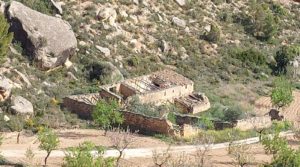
[(18, 154)]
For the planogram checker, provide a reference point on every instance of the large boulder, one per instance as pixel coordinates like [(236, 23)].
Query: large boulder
[(20, 105), (49, 39)]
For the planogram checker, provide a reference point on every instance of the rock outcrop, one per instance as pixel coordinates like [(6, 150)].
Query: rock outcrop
[(49, 39), (20, 105)]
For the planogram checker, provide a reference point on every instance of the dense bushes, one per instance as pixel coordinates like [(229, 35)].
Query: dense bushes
[(283, 57), (227, 114), (251, 57), (265, 26), (99, 71)]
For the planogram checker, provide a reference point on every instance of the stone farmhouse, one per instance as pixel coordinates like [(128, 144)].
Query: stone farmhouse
[(158, 88)]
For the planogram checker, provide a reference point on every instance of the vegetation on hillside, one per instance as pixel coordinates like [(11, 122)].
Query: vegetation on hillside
[(5, 38)]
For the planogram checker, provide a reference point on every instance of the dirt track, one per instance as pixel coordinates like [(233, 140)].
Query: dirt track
[(133, 155)]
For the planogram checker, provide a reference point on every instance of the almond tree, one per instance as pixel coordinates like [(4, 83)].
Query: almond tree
[(282, 93), (106, 114), (48, 141)]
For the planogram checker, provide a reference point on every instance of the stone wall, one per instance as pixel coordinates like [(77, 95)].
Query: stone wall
[(126, 91), (254, 123), (135, 121), (82, 105), (189, 131), (146, 124), (182, 119), (167, 94)]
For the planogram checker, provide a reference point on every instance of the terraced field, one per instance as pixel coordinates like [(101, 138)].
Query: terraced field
[(291, 113)]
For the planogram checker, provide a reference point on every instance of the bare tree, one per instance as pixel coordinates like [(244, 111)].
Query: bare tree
[(240, 154), (204, 143), (161, 159), (121, 140)]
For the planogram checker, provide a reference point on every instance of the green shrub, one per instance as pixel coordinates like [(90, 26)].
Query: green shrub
[(206, 122), (282, 93), (172, 117), (5, 38), (48, 141), (43, 6), (278, 9), (265, 26), (134, 61), (227, 114), (146, 109), (99, 71), (233, 114), (82, 156), (106, 114), (251, 57)]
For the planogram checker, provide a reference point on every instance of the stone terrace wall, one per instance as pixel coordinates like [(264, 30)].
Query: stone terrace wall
[(254, 123), (82, 105), (146, 124)]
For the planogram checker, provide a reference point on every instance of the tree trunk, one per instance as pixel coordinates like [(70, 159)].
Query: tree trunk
[(46, 158), (119, 158), (105, 132), (18, 138)]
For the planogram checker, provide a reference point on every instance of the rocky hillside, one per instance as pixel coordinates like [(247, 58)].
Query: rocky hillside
[(60, 48)]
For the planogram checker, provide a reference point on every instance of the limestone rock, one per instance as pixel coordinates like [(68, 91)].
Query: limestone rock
[(6, 118), (49, 39), (23, 77), (5, 88), (20, 105), (68, 64), (103, 50), (109, 14), (180, 2), (179, 22)]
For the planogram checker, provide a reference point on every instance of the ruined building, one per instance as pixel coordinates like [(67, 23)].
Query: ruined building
[(160, 87), (157, 88)]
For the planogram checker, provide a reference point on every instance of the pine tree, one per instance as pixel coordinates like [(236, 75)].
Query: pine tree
[(5, 37)]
